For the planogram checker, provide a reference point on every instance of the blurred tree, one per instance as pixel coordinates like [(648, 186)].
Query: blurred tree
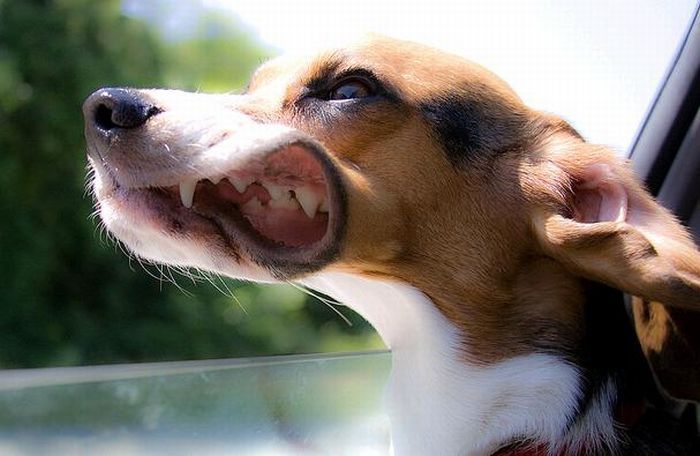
[(66, 298)]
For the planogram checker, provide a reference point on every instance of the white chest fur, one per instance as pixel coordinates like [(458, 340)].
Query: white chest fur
[(439, 404)]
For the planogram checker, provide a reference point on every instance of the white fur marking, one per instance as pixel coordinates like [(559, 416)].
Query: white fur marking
[(438, 403)]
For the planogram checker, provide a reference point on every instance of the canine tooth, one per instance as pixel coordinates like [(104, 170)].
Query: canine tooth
[(216, 180), (323, 207), (241, 184), (308, 200), (187, 192)]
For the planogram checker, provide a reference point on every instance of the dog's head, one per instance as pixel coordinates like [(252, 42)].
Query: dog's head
[(387, 159)]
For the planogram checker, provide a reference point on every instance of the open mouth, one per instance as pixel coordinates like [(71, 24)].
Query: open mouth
[(283, 207), (282, 200)]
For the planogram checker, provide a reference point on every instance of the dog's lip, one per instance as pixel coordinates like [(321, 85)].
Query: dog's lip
[(240, 239), (285, 261)]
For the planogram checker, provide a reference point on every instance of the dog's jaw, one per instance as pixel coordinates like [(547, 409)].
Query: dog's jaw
[(440, 404)]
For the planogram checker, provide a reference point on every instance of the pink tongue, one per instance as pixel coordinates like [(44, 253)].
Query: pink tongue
[(290, 227)]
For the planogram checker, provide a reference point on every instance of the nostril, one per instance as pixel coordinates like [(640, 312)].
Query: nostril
[(120, 108), (103, 117)]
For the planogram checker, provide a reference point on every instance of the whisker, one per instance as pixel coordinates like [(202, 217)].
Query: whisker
[(174, 282), (209, 278), (331, 304), (233, 295)]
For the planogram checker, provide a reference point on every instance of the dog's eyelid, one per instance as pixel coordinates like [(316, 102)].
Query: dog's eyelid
[(323, 89), (362, 75)]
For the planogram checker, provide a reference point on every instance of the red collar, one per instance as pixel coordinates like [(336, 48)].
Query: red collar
[(627, 415), (536, 450), (527, 450)]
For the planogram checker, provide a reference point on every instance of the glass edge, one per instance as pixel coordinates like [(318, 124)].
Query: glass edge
[(14, 379)]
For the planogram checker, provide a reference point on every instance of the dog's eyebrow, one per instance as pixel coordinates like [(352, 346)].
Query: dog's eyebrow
[(323, 70), (469, 123)]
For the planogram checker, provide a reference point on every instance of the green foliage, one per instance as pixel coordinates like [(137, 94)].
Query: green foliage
[(215, 59), (66, 297)]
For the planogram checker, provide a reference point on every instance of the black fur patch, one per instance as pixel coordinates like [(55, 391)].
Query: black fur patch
[(470, 126), (610, 351)]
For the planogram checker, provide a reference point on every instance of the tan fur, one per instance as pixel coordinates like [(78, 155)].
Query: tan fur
[(492, 240), (492, 246)]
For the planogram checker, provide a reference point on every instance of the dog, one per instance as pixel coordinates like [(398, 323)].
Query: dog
[(488, 243)]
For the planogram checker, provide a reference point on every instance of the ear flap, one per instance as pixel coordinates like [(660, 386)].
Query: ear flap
[(671, 343), (602, 225), (609, 229)]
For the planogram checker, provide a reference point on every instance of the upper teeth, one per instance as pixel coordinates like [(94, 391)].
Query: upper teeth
[(280, 197), (241, 183), (187, 192), (277, 192), (308, 200)]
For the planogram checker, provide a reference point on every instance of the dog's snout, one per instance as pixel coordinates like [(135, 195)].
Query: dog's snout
[(113, 108)]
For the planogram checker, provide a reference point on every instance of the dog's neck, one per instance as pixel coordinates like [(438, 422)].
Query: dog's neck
[(438, 403)]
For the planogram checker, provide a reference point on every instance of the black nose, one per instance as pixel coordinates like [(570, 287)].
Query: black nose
[(108, 109)]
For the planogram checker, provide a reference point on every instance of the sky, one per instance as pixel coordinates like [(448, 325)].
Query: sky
[(596, 63)]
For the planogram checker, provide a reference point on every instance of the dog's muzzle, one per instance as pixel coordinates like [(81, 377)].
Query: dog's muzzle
[(272, 194)]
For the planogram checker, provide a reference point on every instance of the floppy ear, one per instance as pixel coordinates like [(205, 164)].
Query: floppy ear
[(603, 225), (670, 340), (599, 222)]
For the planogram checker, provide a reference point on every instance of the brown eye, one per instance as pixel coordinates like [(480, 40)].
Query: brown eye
[(350, 89)]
